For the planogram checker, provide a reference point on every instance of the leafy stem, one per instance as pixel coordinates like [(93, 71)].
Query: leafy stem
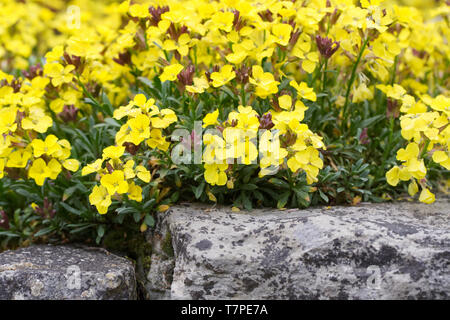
[(350, 82)]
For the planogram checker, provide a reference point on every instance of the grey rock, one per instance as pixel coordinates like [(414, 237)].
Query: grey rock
[(65, 272), (370, 251)]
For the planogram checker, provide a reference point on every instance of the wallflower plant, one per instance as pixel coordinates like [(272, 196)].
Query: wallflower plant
[(270, 103)]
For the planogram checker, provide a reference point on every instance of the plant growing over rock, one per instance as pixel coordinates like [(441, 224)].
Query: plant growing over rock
[(115, 111)]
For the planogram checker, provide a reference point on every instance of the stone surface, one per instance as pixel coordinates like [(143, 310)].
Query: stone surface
[(370, 251), (65, 272)]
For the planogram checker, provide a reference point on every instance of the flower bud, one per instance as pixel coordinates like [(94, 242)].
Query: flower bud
[(69, 113), (326, 46)]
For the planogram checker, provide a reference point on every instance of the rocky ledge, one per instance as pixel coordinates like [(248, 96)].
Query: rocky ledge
[(65, 272), (370, 251)]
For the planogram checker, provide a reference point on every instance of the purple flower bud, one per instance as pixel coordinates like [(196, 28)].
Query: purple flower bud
[(156, 14), (123, 59), (392, 109), (33, 72), (242, 74), (238, 23), (265, 122), (69, 113), (186, 76), (326, 46), (131, 148), (364, 137)]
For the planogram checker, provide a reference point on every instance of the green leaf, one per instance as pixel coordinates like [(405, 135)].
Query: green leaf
[(149, 220), (370, 121), (198, 190), (70, 209), (284, 197)]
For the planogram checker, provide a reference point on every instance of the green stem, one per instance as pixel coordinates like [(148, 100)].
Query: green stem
[(324, 81), (243, 94), (394, 71), (350, 83)]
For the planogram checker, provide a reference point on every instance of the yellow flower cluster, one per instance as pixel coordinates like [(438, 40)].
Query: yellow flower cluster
[(425, 124), (145, 124), (272, 56), (22, 118)]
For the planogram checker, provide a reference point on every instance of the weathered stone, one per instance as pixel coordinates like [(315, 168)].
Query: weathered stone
[(65, 272), (370, 251)]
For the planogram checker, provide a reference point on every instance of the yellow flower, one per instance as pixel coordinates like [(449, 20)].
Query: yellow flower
[(211, 119), (18, 159), (95, 166), (170, 72), (199, 86), (215, 174), (282, 33), (8, 120), (143, 174), (100, 198), (264, 81), (392, 176), (71, 164), (55, 54), (58, 73), (114, 182), (413, 188), (39, 171), (134, 192), (48, 147), (113, 152), (163, 119), (139, 10), (225, 75), (140, 128), (426, 196), (55, 168), (37, 120), (223, 20), (411, 152), (285, 102), (157, 140), (303, 90)]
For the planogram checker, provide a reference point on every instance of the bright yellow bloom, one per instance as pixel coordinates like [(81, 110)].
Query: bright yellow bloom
[(282, 33), (113, 152), (303, 90), (95, 166), (134, 192), (48, 147), (71, 164), (143, 174), (264, 81), (100, 198), (170, 72), (426, 196), (39, 171), (18, 159), (114, 182), (199, 86), (58, 73), (215, 174), (37, 120), (225, 75), (211, 119)]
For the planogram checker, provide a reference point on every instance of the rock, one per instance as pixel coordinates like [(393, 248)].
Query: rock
[(65, 272), (370, 251)]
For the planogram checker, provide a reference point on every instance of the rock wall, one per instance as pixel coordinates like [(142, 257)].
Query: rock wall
[(370, 251), (48, 272)]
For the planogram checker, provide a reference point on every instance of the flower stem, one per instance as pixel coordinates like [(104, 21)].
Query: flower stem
[(350, 83)]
